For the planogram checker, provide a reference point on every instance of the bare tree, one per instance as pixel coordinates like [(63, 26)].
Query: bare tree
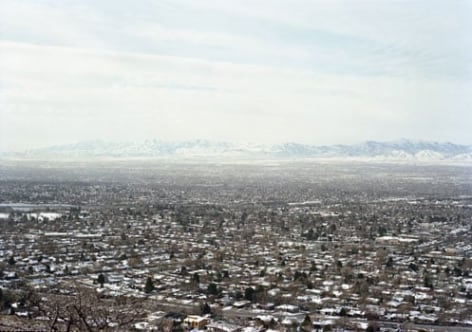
[(87, 311)]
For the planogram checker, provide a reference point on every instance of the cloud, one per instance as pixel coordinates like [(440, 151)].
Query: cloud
[(50, 23), (314, 72), (418, 39), (193, 97)]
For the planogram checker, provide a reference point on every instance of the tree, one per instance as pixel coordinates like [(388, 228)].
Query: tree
[(205, 309), (382, 230), (412, 266), (212, 289), (101, 279), (327, 328), (249, 294), (11, 260), (6, 299), (372, 327), (306, 325), (299, 275), (313, 267), (149, 287), (427, 281), (87, 311)]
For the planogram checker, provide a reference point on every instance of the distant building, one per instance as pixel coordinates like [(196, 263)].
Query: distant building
[(223, 327), (196, 322)]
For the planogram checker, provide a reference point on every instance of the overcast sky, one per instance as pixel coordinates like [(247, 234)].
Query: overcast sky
[(316, 72)]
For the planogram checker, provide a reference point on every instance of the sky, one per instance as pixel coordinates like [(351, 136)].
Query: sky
[(314, 72)]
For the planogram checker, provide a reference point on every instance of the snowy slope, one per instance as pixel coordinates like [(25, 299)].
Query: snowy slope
[(401, 150)]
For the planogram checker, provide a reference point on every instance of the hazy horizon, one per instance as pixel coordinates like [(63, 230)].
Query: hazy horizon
[(230, 142), (318, 73)]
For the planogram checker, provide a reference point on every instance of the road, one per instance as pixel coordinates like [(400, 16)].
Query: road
[(234, 313)]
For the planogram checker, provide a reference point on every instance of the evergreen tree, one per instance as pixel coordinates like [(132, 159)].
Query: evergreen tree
[(307, 325), (101, 279), (149, 287), (205, 309), (212, 289), (11, 260), (249, 294)]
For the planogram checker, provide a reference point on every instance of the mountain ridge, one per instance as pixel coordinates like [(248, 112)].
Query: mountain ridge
[(402, 150)]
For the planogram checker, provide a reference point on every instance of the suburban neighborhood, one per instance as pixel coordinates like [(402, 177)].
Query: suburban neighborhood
[(178, 255)]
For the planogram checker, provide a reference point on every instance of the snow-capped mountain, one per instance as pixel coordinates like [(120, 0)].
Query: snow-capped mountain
[(401, 150)]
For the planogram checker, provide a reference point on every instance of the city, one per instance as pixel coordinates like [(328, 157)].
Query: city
[(281, 246), (235, 166)]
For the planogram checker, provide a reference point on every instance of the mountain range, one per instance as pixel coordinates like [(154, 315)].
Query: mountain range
[(400, 150)]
